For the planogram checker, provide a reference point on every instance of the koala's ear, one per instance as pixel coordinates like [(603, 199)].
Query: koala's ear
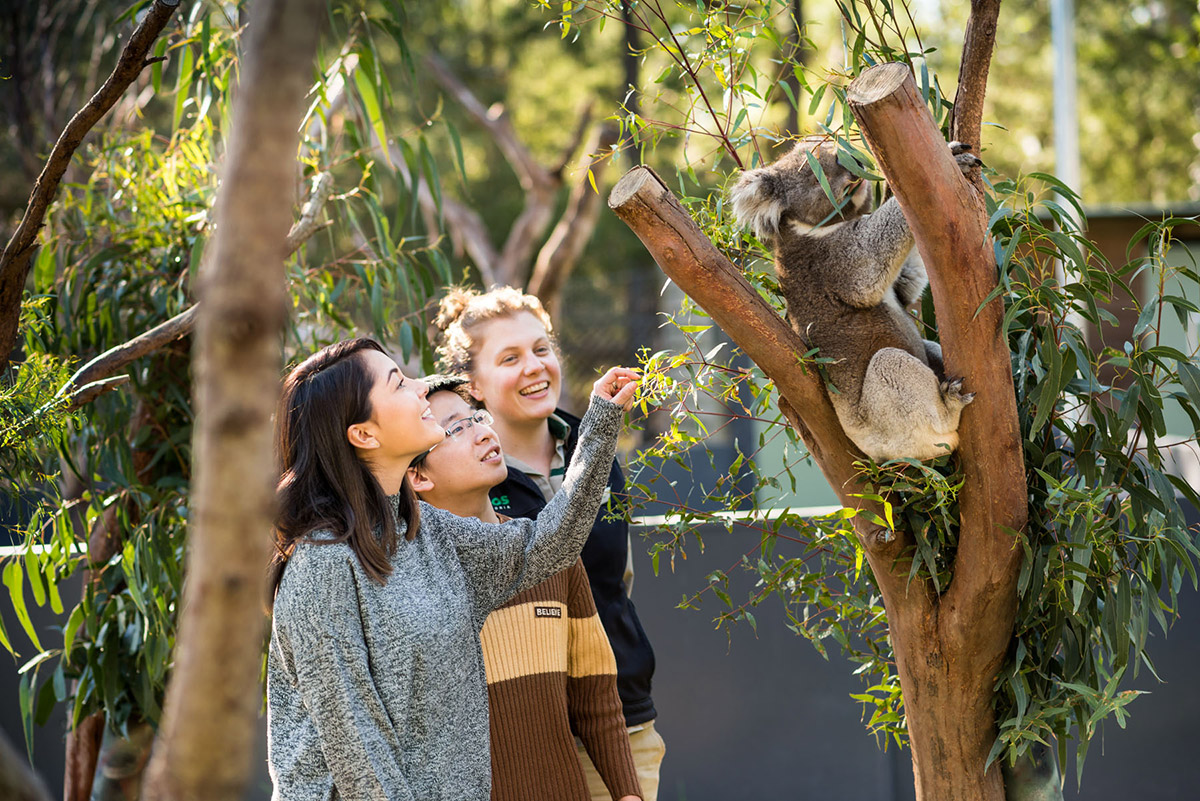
[(759, 200)]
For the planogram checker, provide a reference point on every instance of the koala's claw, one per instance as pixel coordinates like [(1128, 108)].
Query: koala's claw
[(952, 392)]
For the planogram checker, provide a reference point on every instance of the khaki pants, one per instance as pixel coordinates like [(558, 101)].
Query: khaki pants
[(648, 749)]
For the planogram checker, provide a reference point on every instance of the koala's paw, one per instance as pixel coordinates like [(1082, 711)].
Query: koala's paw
[(952, 393), (963, 157)]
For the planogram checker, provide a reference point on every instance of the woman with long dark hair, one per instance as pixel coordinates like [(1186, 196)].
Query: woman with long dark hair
[(375, 678)]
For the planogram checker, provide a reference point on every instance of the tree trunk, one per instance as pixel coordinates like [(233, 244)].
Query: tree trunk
[(948, 649), (83, 752), (18, 782), (208, 726), (949, 221)]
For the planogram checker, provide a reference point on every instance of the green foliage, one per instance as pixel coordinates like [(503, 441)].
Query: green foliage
[(28, 402), (1106, 548), (105, 491), (1121, 48)]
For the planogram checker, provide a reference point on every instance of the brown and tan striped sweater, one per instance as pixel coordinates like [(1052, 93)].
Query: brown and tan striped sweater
[(551, 675)]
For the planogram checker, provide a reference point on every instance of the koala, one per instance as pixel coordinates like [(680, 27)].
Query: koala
[(847, 275), (1035, 777)]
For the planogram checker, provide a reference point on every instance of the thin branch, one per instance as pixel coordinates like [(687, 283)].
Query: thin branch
[(307, 225), (18, 253), (89, 392), (581, 129), (966, 120), (179, 326)]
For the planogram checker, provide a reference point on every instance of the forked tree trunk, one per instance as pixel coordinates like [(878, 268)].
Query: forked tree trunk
[(953, 659), (948, 648), (208, 727)]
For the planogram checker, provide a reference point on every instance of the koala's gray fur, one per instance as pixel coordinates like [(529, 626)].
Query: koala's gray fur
[(1035, 777), (847, 277)]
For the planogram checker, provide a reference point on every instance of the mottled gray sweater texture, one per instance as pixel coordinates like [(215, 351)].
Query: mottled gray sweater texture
[(378, 692)]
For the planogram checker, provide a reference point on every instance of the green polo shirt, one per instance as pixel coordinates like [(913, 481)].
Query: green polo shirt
[(548, 484)]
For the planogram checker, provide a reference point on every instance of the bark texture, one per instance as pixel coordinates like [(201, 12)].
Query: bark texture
[(206, 737), (83, 752), (18, 253)]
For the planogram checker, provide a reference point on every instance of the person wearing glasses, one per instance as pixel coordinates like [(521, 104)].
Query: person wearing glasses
[(503, 341), (375, 680), (550, 669)]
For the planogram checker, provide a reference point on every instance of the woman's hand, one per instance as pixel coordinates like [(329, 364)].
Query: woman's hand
[(618, 385)]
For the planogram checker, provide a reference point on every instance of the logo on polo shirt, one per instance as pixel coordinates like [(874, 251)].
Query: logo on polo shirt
[(547, 611)]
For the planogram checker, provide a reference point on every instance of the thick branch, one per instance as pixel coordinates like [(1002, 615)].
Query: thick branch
[(18, 253), (689, 259), (118, 358), (966, 121), (83, 752), (562, 250), (949, 222)]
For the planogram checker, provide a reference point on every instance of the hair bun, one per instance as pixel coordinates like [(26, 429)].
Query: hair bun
[(452, 306)]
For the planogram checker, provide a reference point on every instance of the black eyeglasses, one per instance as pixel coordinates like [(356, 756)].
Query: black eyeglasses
[(456, 429)]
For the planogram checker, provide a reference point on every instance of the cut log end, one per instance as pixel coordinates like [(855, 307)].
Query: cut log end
[(631, 184), (877, 83)]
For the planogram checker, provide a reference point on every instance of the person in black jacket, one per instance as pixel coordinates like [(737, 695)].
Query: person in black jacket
[(503, 341)]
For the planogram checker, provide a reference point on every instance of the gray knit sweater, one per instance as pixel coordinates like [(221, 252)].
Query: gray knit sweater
[(378, 692)]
